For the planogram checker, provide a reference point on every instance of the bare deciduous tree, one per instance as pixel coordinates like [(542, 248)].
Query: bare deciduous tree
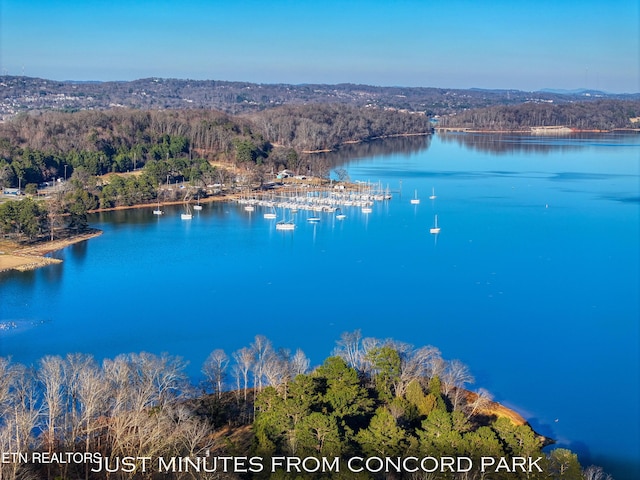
[(245, 359), (51, 376), (456, 374), (215, 369), (349, 348)]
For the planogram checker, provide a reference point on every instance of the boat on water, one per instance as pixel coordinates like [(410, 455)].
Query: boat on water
[(158, 210), (187, 215), (433, 194), (197, 206), (435, 229), (285, 225), (415, 200), (340, 215), (366, 210), (313, 219)]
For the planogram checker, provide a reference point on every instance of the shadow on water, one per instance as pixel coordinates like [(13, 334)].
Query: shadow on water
[(79, 251), (52, 274), (623, 199)]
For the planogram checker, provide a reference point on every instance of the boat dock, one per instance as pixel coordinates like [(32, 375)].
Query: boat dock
[(318, 198)]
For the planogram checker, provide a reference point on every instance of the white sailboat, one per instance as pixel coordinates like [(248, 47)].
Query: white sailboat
[(433, 194), (270, 215), (158, 211), (435, 229), (285, 225), (415, 200), (187, 215), (198, 206)]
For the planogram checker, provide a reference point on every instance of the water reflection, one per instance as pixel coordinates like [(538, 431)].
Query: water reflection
[(79, 251), (507, 143), (375, 148)]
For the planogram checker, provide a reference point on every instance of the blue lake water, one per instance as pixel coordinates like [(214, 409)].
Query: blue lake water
[(533, 281)]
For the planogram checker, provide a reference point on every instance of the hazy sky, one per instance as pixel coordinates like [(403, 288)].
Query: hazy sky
[(521, 44)]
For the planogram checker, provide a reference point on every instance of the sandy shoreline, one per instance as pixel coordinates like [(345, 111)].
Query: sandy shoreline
[(21, 258)]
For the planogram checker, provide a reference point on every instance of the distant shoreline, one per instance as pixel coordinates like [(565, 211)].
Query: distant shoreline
[(538, 131)]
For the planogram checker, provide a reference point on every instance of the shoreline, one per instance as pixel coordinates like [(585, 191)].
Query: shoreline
[(31, 257), (537, 131)]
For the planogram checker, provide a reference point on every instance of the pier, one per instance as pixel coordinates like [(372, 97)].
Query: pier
[(318, 198)]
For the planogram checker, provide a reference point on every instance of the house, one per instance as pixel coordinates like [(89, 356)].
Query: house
[(285, 174)]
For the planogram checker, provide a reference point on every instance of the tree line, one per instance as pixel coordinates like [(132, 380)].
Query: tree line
[(372, 398), (37, 147), (595, 115), (325, 127)]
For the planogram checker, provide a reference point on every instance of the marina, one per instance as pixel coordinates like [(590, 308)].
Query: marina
[(317, 198)]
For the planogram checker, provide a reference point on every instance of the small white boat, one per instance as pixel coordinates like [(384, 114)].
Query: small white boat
[(282, 225), (340, 215), (158, 211), (271, 215), (433, 194), (435, 229), (187, 215), (249, 208), (415, 200), (313, 219), (197, 206)]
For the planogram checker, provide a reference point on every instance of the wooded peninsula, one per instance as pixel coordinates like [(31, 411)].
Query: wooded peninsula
[(73, 417)]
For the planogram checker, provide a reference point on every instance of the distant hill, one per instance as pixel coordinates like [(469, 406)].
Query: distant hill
[(19, 94)]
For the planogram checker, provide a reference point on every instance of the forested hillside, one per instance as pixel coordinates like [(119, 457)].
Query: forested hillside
[(119, 140), (597, 115), (201, 148), (378, 399), (325, 127)]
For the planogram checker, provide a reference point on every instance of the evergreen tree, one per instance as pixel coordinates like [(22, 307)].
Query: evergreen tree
[(383, 437)]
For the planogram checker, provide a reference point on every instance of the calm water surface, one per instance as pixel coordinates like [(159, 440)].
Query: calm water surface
[(533, 281)]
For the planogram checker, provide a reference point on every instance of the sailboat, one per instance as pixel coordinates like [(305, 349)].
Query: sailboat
[(286, 224), (270, 215), (187, 215), (435, 229), (198, 206), (433, 194), (340, 215), (158, 211), (415, 200)]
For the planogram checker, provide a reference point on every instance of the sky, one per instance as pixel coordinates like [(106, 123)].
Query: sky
[(514, 44)]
